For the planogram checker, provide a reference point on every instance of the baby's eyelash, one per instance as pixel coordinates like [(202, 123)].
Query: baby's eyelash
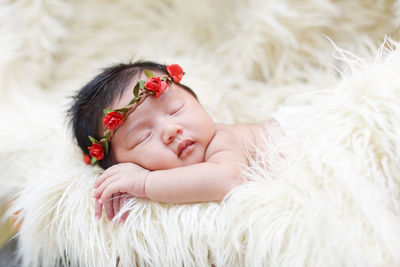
[(145, 138), (176, 111)]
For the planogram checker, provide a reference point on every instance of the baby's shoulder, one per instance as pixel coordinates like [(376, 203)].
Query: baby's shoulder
[(231, 137), (244, 135), (247, 133), (234, 132), (240, 139), (228, 144)]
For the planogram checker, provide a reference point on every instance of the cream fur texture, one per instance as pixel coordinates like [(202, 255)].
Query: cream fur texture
[(326, 195)]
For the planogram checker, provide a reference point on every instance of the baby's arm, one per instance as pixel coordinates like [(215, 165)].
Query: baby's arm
[(207, 181)]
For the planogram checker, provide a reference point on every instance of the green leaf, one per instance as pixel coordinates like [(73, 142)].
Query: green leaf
[(136, 89), (149, 74), (93, 140), (107, 110), (93, 160), (150, 92), (106, 145), (141, 83), (133, 100), (121, 109)]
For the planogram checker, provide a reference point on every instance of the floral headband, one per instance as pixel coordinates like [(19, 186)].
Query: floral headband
[(114, 118)]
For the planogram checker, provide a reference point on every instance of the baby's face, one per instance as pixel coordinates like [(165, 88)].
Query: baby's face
[(170, 131)]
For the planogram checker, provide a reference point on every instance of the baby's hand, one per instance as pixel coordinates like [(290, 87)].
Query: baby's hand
[(120, 178), (113, 206)]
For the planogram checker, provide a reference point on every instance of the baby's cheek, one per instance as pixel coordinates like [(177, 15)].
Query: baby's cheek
[(124, 155), (117, 156), (163, 163)]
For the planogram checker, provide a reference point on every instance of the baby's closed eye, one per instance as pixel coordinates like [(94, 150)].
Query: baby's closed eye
[(145, 137), (141, 138), (176, 108)]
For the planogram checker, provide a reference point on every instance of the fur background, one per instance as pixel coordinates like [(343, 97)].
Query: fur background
[(333, 200)]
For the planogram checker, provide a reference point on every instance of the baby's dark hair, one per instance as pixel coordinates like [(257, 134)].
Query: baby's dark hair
[(86, 111)]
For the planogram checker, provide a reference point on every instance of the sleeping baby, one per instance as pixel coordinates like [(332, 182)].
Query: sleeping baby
[(155, 140)]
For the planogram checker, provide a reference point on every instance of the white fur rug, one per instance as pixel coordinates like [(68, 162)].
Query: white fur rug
[(332, 200)]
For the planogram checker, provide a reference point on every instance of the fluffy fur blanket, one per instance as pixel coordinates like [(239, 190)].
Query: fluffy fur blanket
[(326, 195)]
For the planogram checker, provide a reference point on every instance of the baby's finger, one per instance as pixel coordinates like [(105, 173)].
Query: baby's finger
[(98, 209), (121, 201), (116, 203), (126, 213), (107, 193), (122, 204), (99, 191), (108, 208), (107, 173), (100, 179)]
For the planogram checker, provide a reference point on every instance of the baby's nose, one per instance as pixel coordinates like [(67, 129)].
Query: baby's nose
[(170, 132)]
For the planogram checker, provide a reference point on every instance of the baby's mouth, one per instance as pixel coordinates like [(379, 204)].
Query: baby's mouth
[(183, 146)]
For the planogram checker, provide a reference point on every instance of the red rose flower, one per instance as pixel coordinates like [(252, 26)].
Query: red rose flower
[(175, 71), (156, 86), (96, 151), (113, 120), (86, 159)]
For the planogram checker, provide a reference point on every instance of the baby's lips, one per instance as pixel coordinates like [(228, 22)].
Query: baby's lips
[(182, 145)]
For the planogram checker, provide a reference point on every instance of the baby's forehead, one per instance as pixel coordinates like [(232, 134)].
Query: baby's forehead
[(155, 107), (174, 90)]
